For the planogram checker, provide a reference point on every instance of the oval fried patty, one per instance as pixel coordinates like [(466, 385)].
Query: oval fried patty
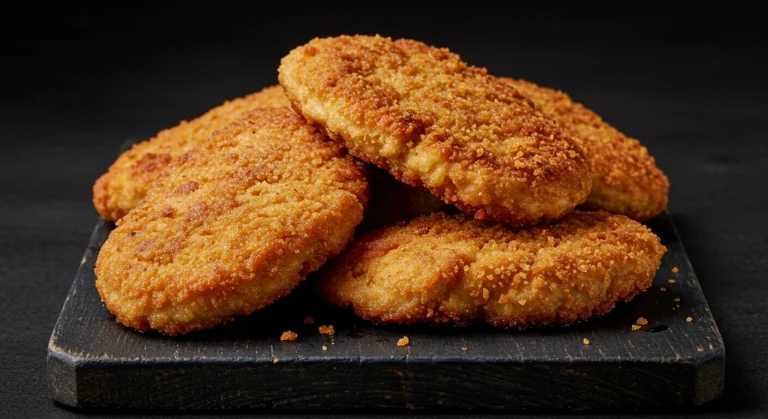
[(131, 175), (433, 121), (625, 179), (453, 269), (232, 225)]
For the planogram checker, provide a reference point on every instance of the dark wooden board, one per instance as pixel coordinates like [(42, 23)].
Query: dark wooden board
[(671, 363)]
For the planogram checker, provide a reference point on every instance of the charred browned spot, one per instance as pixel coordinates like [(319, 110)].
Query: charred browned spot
[(197, 214), (152, 162), (186, 188)]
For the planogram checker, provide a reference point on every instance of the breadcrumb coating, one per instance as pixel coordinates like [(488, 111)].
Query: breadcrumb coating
[(431, 120), (452, 269), (625, 178), (131, 175), (232, 225)]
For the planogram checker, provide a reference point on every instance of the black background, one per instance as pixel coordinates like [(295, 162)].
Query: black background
[(76, 82)]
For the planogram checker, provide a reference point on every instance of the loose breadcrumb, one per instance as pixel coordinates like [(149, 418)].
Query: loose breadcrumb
[(586, 341), (289, 336), (642, 321), (699, 349), (671, 281), (677, 299), (464, 348), (403, 341), (663, 289), (486, 294), (635, 327), (309, 320), (675, 270), (326, 330), (325, 348), (689, 319)]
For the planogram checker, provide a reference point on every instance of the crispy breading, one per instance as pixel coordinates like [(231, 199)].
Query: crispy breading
[(392, 201), (445, 268), (625, 178), (131, 175), (433, 121), (232, 225)]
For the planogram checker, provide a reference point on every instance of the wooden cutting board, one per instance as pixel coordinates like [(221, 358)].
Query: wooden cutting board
[(671, 363)]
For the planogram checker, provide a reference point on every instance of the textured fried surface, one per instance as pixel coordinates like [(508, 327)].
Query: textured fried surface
[(431, 120), (625, 179), (452, 269), (131, 175), (232, 225), (392, 201)]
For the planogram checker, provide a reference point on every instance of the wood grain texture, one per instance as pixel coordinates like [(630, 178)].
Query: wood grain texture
[(94, 362)]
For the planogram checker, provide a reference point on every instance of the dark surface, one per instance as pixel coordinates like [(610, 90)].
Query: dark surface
[(670, 363), (690, 83)]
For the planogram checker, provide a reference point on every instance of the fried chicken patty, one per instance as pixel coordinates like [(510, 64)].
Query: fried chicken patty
[(625, 178), (433, 121), (131, 175), (232, 225), (453, 269)]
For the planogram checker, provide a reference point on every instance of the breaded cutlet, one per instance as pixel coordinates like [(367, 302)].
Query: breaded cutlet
[(232, 225), (434, 121), (452, 269)]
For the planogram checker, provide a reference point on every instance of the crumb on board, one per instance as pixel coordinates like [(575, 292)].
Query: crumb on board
[(402, 341), (675, 270), (677, 299), (689, 319), (635, 327), (641, 321), (464, 348), (326, 330), (309, 320), (699, 349), (671, 281), (586, 341), (325, 348), (663, 289), (289, 336)]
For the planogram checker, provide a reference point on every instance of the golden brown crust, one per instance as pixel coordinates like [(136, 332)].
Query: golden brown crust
[(131, 175), (625, 178), (445, 268), (435, 122), (232, 225)]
